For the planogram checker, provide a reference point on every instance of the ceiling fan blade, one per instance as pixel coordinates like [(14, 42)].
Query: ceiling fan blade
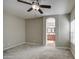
[(40, 11), (29, 9), (45, 6), (24, 2)]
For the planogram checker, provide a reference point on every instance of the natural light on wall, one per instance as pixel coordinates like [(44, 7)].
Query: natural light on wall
[(73, 31)]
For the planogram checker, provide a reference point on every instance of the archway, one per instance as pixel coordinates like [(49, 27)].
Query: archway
[(50, 32)]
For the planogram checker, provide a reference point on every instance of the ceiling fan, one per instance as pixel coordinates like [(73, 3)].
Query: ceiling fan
[(35, 5)]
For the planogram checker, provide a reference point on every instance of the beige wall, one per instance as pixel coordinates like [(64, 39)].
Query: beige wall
[(17, 30), (34, 30), (13, 31), (62, 30)]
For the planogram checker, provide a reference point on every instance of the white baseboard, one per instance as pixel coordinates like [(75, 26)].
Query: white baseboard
[(69, 49), (14, 46), (31, 43), (72, 52), (63, 47)]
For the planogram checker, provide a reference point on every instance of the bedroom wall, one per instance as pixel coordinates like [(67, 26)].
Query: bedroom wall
[(13, 31), (62, 30), (34, 31)]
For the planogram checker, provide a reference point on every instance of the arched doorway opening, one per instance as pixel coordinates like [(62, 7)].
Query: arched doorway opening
[(50, 32)]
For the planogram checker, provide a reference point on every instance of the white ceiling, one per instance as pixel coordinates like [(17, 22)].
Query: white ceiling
[(20, 9)]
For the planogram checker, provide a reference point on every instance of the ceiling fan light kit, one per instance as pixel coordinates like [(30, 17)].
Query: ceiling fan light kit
[(35, 6)]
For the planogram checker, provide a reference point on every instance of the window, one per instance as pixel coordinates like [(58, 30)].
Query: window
[(50, 30)]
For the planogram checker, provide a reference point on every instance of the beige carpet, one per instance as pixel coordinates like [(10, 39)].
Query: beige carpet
[(37, 52)]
